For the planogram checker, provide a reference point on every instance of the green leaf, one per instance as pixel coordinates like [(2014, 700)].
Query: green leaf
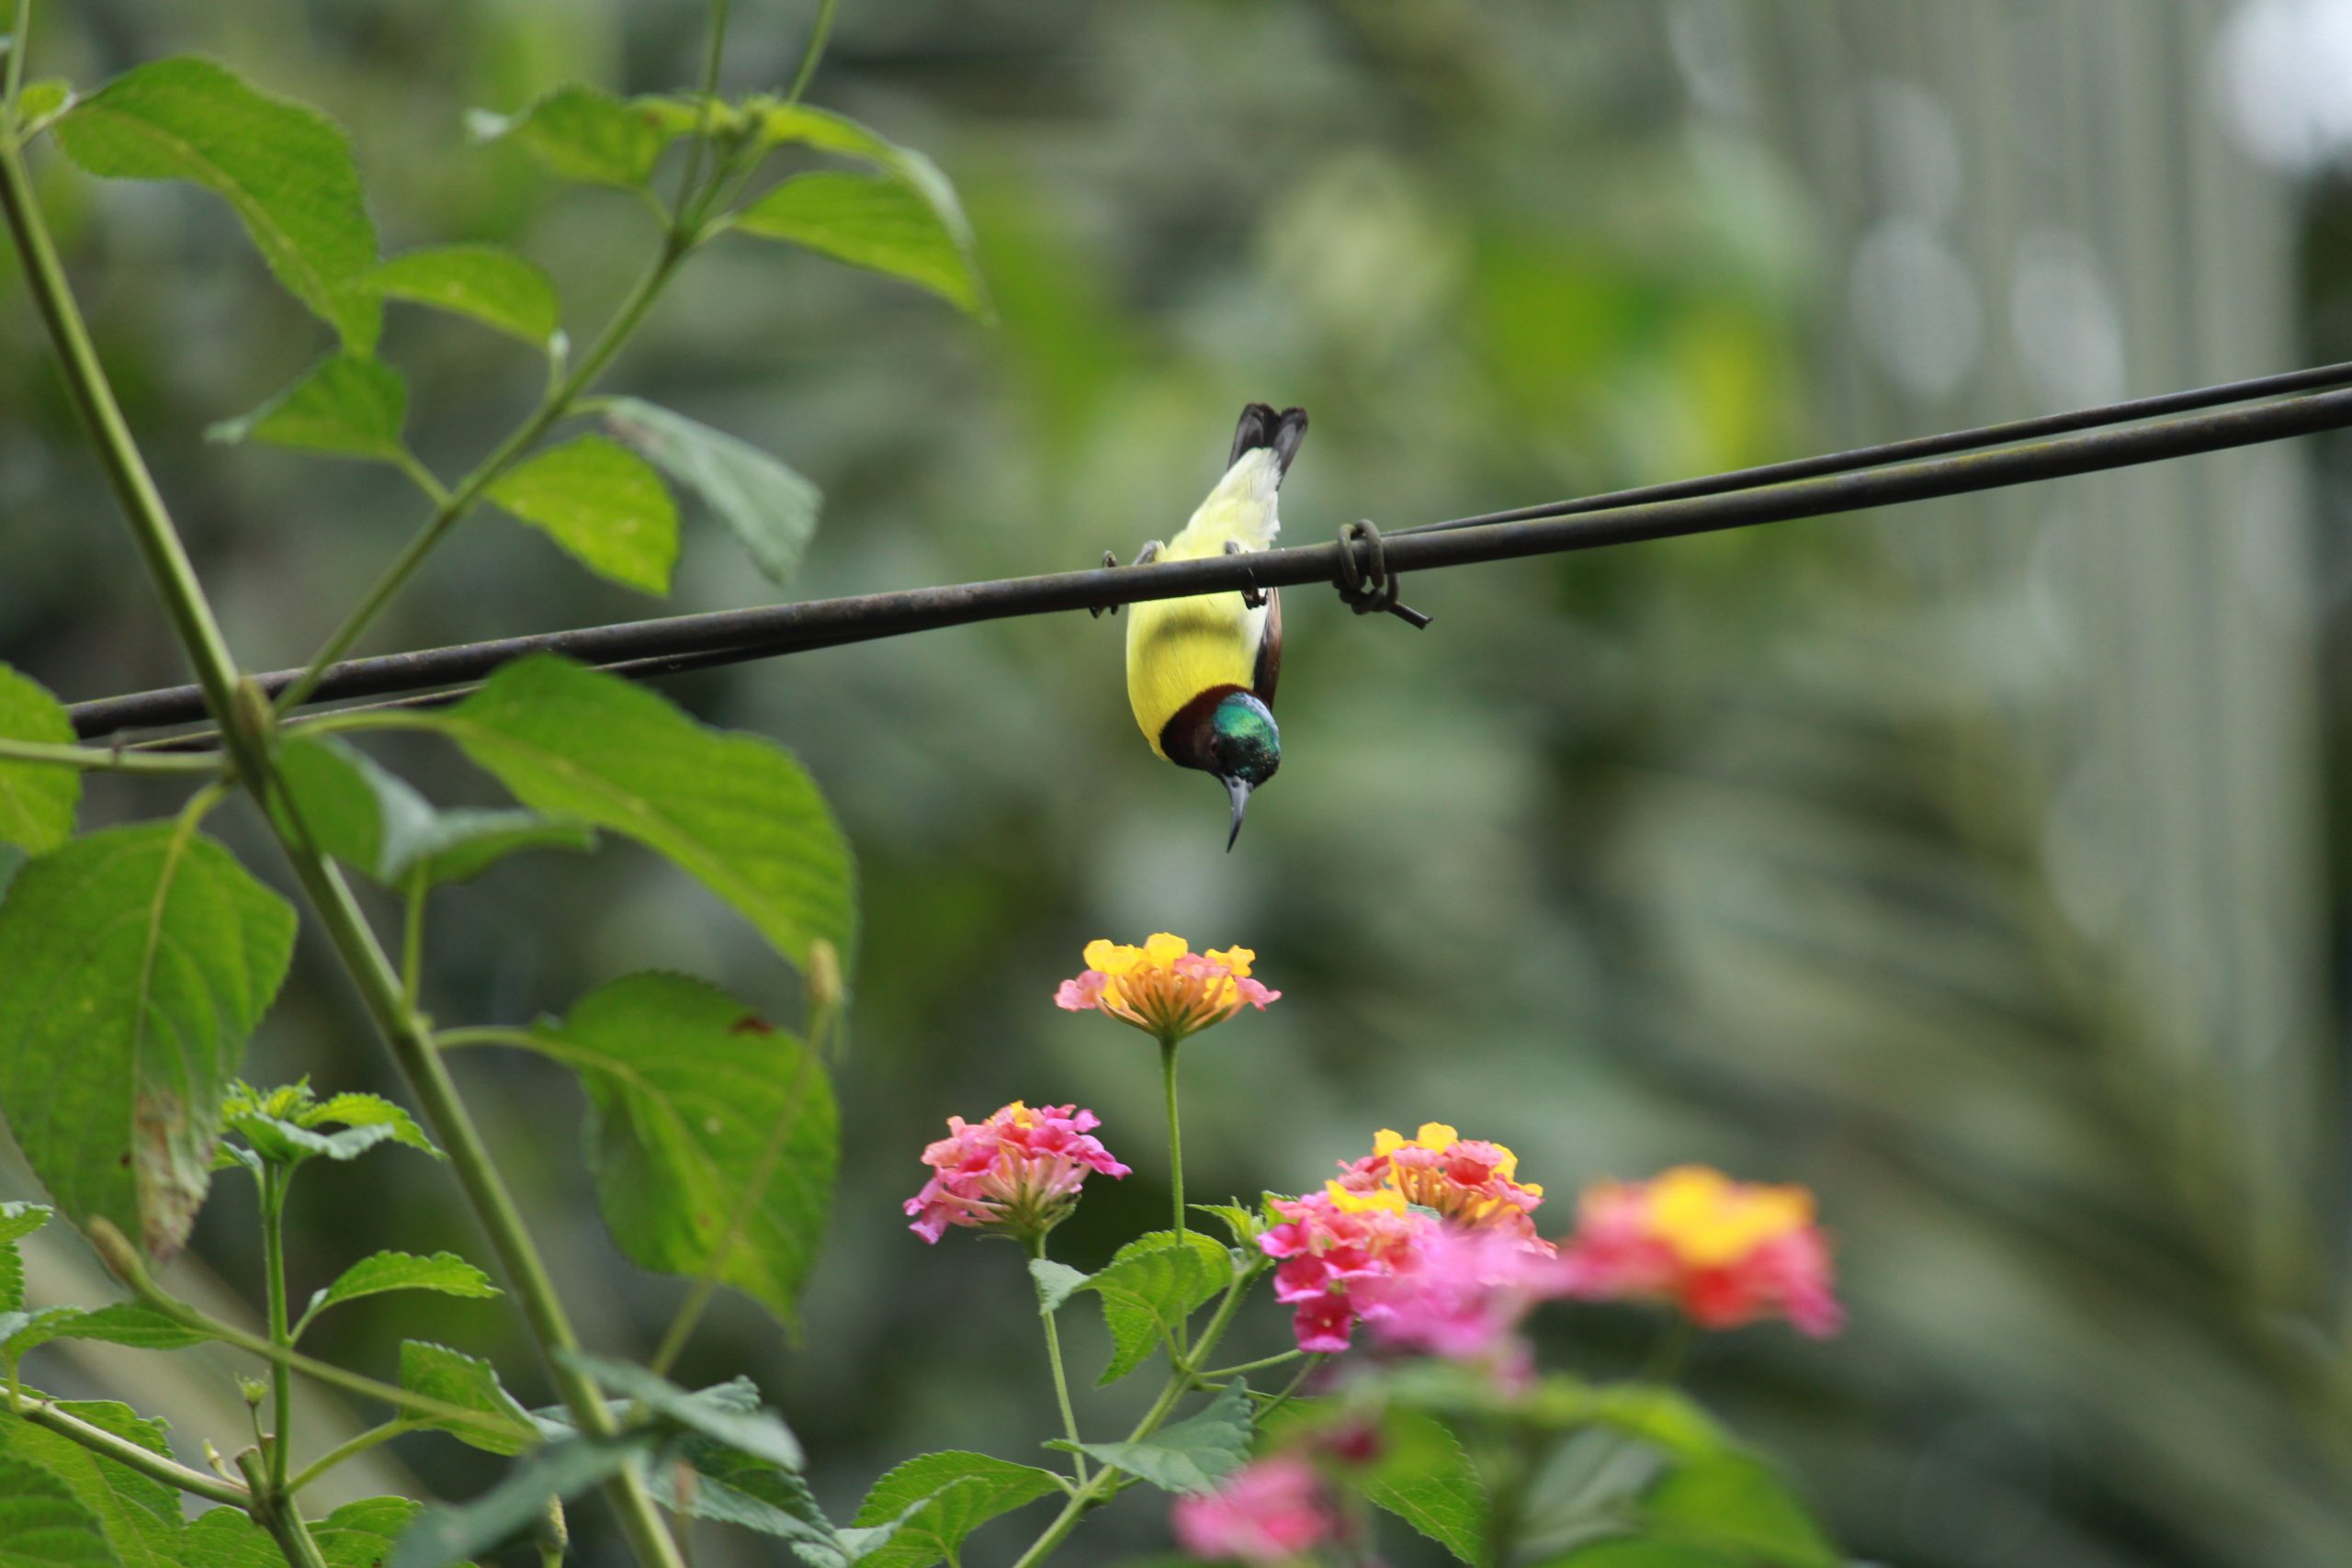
[(715, 1412), (732, 1487), (489, 283), (1423, 1476), (17, 1221), (1734, 1503), (877, 221), (225, 1537), (346, 405), (373, 821), (909, 223), (41, 99), (771, 509), (950, 1495), (124, 1323), (138, 1515), (139, 959), (370, 1111), (284, 166), (685, 1088), (455, 1378), (359, 1534), (36, 800), (285, 1143), (444, 1271), (603, 504), (1056, 1281), (736, 811), (584, 133), (43, 1526), (1192, 1456), (452, 1533), (1150, 1287), (1245, 1224), (1644, 1552)]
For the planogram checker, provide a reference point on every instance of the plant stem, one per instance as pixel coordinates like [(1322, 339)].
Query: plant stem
[(348, 1449), (1054, 1357), (103, 760), (274, 1181), (42, 1411), (817, 34), (413, 942), (216, 670), (692, 176), (276, 1513), (1284, 1358), (18, 36), (1175, 1131), (454, 506), (1106, 1480)]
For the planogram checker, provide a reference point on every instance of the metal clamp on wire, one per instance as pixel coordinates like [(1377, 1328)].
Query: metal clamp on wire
[(1367, 585)]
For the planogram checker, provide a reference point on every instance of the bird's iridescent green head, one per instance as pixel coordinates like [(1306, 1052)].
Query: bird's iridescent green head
[(1245, 747)]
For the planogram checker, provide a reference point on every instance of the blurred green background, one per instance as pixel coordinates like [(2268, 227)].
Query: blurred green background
[(1980, 865)]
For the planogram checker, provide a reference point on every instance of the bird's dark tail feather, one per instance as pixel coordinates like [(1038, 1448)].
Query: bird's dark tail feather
[(1262, 426)]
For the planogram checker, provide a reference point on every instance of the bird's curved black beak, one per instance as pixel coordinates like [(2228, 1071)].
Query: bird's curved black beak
[(1240, 789)]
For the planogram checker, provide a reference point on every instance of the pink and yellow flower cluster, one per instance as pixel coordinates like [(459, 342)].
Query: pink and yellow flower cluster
[(1164, 988), (1018, 1172), (1725, 1252)]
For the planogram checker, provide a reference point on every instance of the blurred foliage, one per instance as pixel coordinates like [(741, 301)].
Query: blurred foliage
[(1735, 848)]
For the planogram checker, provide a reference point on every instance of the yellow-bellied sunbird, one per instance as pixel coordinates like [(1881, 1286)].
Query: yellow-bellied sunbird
[(1201, 672)]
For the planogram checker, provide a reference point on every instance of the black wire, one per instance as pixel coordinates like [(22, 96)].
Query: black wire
[(1820, 486)]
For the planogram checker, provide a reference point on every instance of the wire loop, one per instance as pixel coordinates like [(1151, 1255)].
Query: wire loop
[(1368, 585)]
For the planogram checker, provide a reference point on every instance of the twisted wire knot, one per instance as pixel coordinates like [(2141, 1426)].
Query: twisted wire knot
[(1367, 585)]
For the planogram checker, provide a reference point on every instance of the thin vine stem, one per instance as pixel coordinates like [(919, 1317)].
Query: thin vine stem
[(42, 1411), (105, 760), (18, 37), (274, 1182), (1054, 1358), (690, 180), (819, 35), (350, 1448)]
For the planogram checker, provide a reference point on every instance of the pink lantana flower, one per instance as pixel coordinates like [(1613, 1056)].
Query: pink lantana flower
[(1164, 988), (1725, 1252), (1330, 1244), (1465, 1298), (1018, 1172), (1274, 1510)]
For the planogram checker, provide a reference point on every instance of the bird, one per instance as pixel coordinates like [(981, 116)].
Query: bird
[(1202, 671)]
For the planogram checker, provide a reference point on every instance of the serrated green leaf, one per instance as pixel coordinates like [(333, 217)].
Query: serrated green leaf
[(734, 1489), (1423, 1476), (1150, 1287), (280, 1142), (346, 405), (1194, 1454), (17, 1221), (36, 800), (124, 1323), (716, 1412), (360, 1535), (950, 1495), (1245, 1224), (453, 1532), (284, 166), (770, 508), (138, 961), (686, 1087), (225, 1537), (735, 812), (373, 821), (354, 1109), (1056, 1281), (584, 134), (1733, 1503), (469, 1382), (139, 1516), (488, 283), (373, 1275), (43, 1524), (876, 221), (604, 504)]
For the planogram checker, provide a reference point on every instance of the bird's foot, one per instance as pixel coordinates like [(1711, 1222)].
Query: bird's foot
[(1144, 556), (1253, 596)]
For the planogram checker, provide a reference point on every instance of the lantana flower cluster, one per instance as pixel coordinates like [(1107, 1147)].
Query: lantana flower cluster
[(1164, 988), (1017, 1172)]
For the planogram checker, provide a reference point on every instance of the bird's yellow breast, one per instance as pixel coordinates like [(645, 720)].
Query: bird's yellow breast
[(1177, 648)]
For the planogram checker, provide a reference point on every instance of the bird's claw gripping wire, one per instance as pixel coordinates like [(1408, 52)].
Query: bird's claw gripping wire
[(1367, 585), (1252, 595), (1110, 559)]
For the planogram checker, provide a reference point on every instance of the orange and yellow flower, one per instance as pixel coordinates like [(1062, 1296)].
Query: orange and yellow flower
[(1466, 1181), (1164, 988), (1725, 1252)]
